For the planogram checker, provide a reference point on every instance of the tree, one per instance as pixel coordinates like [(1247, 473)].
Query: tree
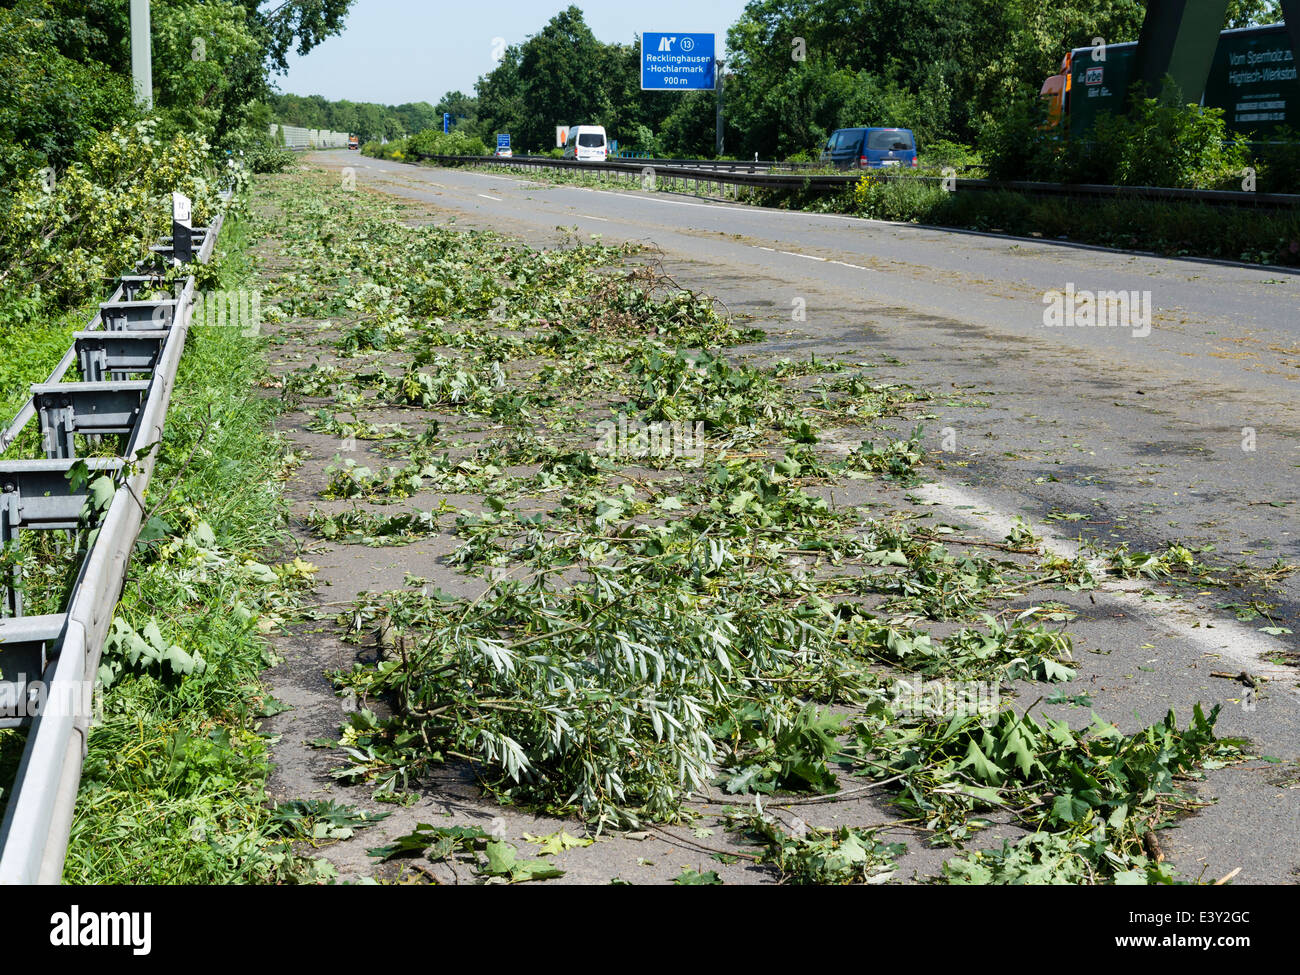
[(563, 75), (1245, 13), (297, 25), (942, 67), (208, 67), (500, 98), (462, 108), (561, 81), (56, 94)]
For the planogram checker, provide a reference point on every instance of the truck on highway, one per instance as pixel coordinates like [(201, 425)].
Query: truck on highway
[(1253, 79), (354, 142)]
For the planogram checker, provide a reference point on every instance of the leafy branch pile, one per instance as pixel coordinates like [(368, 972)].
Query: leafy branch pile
[(652, 626)]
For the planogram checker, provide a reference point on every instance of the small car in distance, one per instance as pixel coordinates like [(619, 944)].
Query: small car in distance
[(504, 152), (870, 148)]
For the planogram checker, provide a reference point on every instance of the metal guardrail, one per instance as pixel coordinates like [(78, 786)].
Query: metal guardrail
[(715, 165), (689, 171), (64, 648)]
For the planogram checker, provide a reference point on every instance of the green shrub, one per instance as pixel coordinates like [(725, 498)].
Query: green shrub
[(1161, 141), (902, 198), (942, 154), (433, 142), (254, 146), (51, 105), (1018, 144), (57, 245), (645, 140), (1278, 162), (1164, 142)]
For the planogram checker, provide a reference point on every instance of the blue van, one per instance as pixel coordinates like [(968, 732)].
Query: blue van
[(870, 148)]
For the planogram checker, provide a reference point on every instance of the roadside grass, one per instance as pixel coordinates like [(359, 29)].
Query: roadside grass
[(173, 785)]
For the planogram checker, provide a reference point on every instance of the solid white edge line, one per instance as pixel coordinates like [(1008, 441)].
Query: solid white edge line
[(1227, 638)]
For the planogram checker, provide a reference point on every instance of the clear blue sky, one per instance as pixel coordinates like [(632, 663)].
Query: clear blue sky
[(395, 51)]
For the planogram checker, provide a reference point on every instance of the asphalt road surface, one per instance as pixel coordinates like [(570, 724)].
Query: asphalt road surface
[(1187, 430)]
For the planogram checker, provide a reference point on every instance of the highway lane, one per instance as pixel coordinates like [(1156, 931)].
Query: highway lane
[(1190, 432), (1094, 432)]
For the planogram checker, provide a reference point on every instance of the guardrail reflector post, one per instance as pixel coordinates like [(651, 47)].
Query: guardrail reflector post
[(182, 230)]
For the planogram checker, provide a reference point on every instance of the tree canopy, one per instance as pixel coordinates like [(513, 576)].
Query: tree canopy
[(798, 69)]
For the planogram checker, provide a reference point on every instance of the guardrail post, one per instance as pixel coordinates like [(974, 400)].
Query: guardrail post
[(134, 284), (26, 646), (91, 409), (106, 355), (122, 316)]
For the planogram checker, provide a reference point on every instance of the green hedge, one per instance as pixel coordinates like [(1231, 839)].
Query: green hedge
[(430, 142)]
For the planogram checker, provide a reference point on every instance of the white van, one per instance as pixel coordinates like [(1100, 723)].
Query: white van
[(587, 143)]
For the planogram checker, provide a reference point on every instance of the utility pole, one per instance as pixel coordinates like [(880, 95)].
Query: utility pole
[(141, 54), (718, 66)]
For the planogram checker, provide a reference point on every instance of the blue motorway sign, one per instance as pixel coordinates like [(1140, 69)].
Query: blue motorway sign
[(677, 62), (503, 140)]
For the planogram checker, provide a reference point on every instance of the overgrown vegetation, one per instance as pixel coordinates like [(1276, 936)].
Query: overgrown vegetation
[(656, 618), (1264, 236), (84, 172), (1162, 141), (61, 240)]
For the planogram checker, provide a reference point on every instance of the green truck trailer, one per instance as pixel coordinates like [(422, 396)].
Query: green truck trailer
[(1253, 78)]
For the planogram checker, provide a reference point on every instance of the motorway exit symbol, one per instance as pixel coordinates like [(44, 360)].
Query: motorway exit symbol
[(677, 62)]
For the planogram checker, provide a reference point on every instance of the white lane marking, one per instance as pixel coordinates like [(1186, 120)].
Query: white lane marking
[(762, 248), (797, 254), (847, 264), (706, 206), (742, 208), (486, 197), (651, 199), (588, 216), (1224, 638)]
